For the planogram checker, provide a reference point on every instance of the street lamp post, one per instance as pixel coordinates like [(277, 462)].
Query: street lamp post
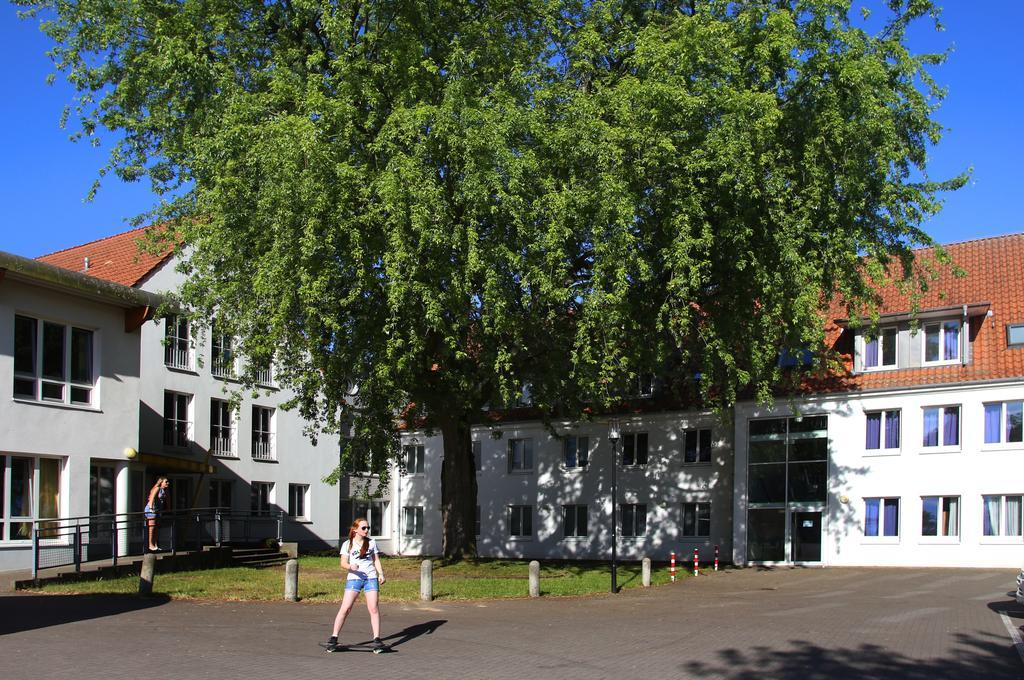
[(613, 437)]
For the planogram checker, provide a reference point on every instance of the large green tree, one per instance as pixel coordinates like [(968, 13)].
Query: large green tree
[(440, 201)]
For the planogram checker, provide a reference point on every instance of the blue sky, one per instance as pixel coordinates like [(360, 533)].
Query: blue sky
[(45, 178)]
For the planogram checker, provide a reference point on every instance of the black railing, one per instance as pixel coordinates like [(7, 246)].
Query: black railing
[(74, 540)]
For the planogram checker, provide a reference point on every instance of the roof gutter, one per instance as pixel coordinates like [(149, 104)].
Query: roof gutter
[(48, 275)]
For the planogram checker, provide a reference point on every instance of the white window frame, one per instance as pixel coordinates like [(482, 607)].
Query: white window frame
[(631, 444), (414, 459), (942, 446), (1014, 329), (634, 533), (221, 446), (884, 415), (885, 335), (65, 382), (525, 458), (701, 522), (7, 519), (699, 451), (518, 518), (880, 536), (298, 494), (578, 448), (939, 327), (414, 513), (574, 509), (942, 534), (1003, 442), (264, 502), (1003, 521), (369, 509), (177, 420), (178, 351), (219, 367), (264, 445)]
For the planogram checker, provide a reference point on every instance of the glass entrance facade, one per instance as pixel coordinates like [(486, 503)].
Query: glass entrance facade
[(787, 482)]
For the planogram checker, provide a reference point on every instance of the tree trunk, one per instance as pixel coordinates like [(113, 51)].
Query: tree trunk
[(458, 489)]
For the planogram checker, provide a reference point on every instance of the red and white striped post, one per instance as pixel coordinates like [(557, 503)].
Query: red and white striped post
[(716, 558), (672, 568), (696, 561)]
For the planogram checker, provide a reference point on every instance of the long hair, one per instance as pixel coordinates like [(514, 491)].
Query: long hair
[(352, 535)]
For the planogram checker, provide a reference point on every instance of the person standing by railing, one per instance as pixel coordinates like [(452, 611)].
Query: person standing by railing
[(155, 504), (360, 559)]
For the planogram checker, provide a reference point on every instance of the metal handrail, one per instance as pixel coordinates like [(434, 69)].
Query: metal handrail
[(60, 533)]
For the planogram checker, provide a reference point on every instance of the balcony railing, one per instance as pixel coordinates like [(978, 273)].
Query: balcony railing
[(222, 446), (264, 376), (223, 368), (263, 446), (178, 357)]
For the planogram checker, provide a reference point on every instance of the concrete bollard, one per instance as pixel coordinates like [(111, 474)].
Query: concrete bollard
[(646, 572), (426, 580), (146, 575), (534, 578), (291, 580)]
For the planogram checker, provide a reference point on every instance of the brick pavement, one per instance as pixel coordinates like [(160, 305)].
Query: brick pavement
[(746, 623)]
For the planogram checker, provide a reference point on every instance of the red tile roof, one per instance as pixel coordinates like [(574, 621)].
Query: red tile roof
[(118, 258), (994, 270)]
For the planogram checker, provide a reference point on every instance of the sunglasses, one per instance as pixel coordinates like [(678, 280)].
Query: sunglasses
[(362, 528)]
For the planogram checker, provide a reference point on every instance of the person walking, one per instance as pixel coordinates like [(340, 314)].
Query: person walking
[(360, 559), (155, 504)]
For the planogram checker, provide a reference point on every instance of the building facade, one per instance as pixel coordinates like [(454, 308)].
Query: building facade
[(910, 456)]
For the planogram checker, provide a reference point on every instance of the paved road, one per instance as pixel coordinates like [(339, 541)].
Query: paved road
[(781, 623)]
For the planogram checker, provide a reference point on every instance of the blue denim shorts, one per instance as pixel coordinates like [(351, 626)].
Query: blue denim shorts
[(361, 584), (149, 512)]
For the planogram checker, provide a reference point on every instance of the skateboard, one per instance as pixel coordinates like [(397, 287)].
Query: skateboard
[(360, 647)]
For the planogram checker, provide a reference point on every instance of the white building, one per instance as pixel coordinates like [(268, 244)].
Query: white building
[(912, 456), (69, 371)]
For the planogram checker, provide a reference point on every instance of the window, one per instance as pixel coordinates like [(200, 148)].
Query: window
[(881, 516), (697, 519), (574, 521), (942, 342), (261, 498), (374, 512), (634, 448), (633, 519), (575, 452), (880, 351), (413, 455), (222, 428), (177, 419), (941, 426), (788, 460), (1001, 515), (940, 516), (520, 521), (262, 433), (1015, 335), (477, 455), (883, 430), (29, 490), (697, 446), (413, 520), (53, 365), (177, 343), (1004, 422), (298, 495), (221, 493), (223, 359), (520, 455)]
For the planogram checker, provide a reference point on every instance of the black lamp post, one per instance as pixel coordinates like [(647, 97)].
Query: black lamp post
[(613, 437)]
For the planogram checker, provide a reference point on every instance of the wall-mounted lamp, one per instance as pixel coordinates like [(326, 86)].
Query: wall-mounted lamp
[(844, 499), (989, 314)]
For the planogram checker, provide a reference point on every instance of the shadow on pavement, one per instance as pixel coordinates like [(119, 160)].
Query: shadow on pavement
[(412, 632), (979, 655), (28, 612)]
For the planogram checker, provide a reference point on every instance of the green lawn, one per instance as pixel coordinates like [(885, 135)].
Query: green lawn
[(320, 580)]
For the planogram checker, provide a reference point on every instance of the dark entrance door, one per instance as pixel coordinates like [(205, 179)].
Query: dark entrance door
[(806, 533)]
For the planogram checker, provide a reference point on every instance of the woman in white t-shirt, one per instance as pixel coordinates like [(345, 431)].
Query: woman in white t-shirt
[(361, 560)]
